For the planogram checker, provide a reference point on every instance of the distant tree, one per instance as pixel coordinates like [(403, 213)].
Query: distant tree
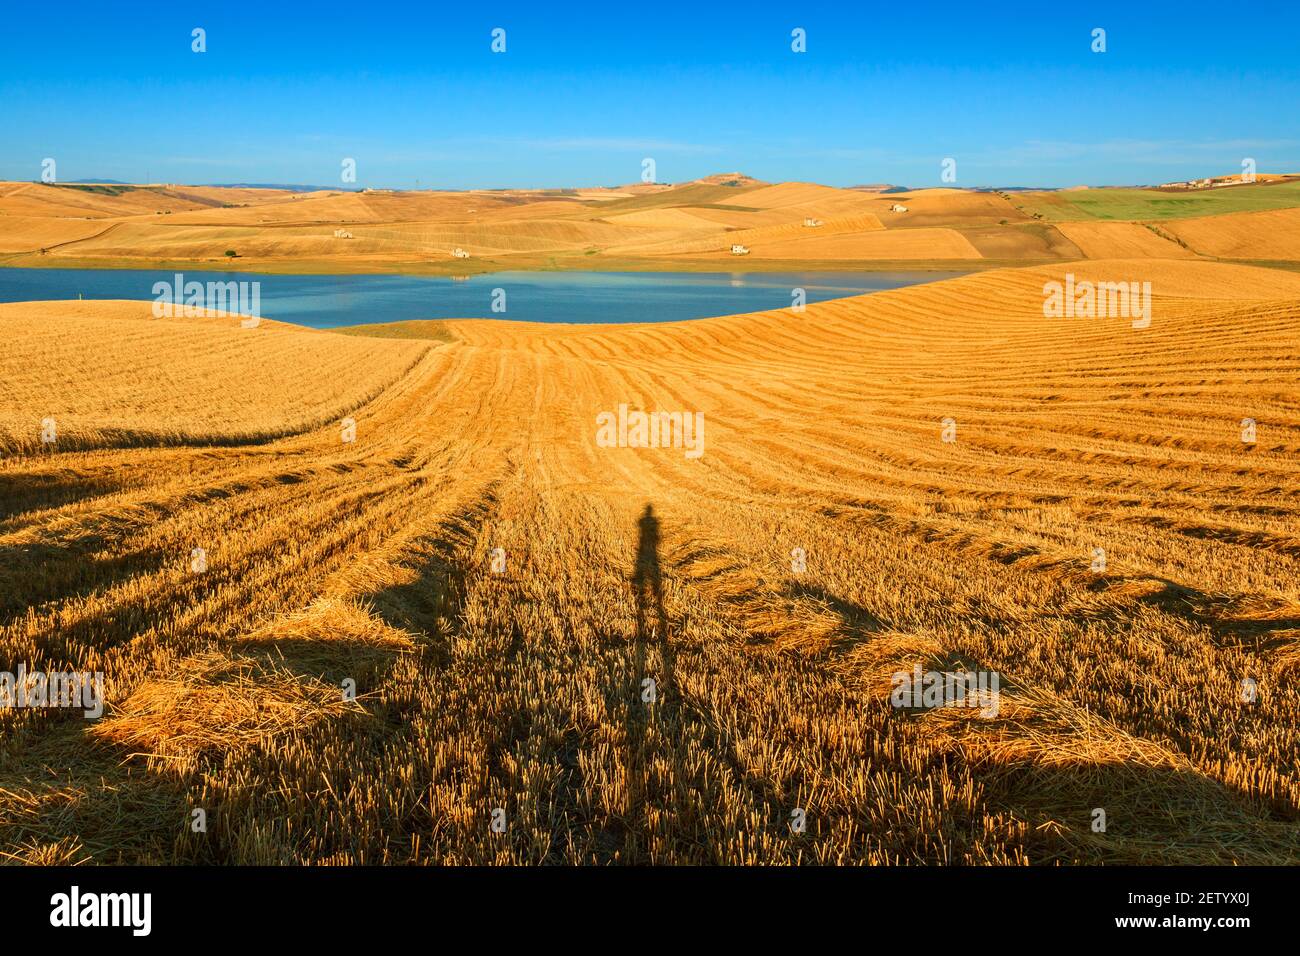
[(232, 253)]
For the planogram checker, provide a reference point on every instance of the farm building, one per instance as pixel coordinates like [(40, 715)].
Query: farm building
[(738, 250), (897, 207)]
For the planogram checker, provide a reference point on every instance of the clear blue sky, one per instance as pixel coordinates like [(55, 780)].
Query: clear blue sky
[(413, 92)]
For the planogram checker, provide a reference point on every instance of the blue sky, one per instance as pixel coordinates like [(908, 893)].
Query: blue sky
[(582, 95)]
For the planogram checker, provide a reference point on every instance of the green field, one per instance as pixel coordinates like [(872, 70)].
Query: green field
[(1150, 204)]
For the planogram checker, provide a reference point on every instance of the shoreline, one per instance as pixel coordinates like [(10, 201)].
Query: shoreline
[(844, 283), (521, 264), (310, 267)]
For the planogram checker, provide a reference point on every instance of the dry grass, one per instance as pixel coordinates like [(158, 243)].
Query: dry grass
[(872, 244), (109, 373), (522, 690), (1274, 234), (1121, 240), (24, 233)]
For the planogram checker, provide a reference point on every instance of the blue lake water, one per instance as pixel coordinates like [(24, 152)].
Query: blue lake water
[(326, 301)]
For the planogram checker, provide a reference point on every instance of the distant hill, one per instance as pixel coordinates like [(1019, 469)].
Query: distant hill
[(1025, 189), (289, 187), (285, 187), (717, 180), (725, 179)]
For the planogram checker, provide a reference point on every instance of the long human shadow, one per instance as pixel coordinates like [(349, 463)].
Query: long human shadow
[(648, 585), (651, 631)]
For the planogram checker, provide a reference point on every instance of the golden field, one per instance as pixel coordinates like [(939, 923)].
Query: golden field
[(110, 374), (522, 688), (644, 226)]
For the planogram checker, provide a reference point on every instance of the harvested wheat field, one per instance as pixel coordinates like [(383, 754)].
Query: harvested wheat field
[(873, 244), (1273, 234), (110, 374), (514, 684), (22, 233), (1123, 240)]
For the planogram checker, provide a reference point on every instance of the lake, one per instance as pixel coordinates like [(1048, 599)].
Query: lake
[(326, 301)]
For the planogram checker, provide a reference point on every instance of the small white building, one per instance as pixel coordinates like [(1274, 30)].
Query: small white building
[(342, 234), (812, 223), (460, 253), (897, 207), (738, 250)]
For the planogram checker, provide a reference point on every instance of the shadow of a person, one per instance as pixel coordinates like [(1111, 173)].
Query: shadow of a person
[(651, 626), (647, 580)]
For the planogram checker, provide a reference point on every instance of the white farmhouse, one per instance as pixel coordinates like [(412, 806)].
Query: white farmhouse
[(897, 207), (460, 253), (738, 250), (811, 223), (342, 234)]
